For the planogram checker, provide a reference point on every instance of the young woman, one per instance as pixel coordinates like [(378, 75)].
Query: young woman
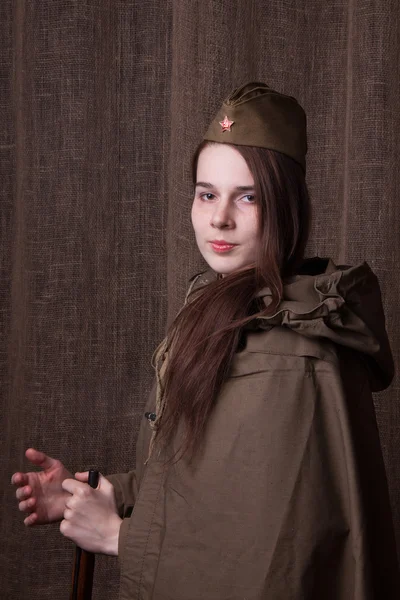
[(259, 472)]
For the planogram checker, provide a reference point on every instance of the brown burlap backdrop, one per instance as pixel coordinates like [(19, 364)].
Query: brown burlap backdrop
[(102, 104)]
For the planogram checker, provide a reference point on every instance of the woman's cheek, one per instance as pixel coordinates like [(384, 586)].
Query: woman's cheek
[(200, 219)]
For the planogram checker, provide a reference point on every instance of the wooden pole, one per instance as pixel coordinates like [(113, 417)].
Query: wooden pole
[(82, 575)]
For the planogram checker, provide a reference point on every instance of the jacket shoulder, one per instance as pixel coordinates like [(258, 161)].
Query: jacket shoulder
[(285, 341)]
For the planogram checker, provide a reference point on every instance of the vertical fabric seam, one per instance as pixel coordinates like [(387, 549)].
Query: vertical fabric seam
[(347, 131), (19, 295), (150, 531)]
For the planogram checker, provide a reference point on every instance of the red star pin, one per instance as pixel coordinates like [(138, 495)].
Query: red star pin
[(226, 124)]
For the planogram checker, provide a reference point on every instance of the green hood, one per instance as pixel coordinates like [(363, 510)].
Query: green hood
[(338, 303)]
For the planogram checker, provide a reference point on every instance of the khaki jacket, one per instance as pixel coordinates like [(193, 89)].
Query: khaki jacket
[(288, 500)]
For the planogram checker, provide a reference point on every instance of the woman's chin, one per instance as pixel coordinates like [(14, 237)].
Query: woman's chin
[(224, 266)]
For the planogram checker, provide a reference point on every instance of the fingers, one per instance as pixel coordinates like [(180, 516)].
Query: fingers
[(23, 493), (83, 476), (40, 459), (75, 487), (67, 529), (104, 484), (68, 514), (78, 488), (31, 519), (27, 505), (19, 479)]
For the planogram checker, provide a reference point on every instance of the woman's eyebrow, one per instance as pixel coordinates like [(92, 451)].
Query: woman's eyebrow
[(239, 188), (245, 188), (204, 184)]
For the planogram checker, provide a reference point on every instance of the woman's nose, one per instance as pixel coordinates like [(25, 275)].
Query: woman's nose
[(221, 217)]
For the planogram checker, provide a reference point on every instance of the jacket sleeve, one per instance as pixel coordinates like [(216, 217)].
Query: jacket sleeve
[(125, 489), (336, 537), (370, 518)]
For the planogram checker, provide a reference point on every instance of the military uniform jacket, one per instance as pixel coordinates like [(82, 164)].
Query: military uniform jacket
[(288, 500)]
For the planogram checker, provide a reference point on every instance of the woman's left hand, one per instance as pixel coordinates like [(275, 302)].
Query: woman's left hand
[(90, 517)]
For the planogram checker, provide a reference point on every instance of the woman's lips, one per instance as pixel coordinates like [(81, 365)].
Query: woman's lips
[(221, 247)]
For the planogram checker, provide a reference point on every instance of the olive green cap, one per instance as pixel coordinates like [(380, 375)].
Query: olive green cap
[(256, 115)]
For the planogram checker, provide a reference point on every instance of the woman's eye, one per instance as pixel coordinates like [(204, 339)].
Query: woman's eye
[(207, 196), (249, 198)]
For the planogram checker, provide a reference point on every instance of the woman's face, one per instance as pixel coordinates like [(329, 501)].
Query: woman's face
[(224, 214)]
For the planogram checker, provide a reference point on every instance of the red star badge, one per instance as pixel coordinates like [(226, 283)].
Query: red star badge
[(226, 124)]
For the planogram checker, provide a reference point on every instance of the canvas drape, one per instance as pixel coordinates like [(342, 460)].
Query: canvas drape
[(102, 104)]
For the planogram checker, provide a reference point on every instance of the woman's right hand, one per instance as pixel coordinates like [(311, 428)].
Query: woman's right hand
[(40, 493)]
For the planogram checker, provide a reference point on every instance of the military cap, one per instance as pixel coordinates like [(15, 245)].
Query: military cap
[(256, 115)]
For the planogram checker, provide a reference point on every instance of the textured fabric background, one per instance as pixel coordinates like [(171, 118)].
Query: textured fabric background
[(101, 106)]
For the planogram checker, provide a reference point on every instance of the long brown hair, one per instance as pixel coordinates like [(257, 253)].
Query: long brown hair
[(202, 340)]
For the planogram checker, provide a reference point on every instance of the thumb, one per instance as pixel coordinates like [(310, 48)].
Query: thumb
[(40, 459), (103, 484), (82, 476)]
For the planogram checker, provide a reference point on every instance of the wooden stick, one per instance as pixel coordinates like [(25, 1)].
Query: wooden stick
[(82, 575)]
